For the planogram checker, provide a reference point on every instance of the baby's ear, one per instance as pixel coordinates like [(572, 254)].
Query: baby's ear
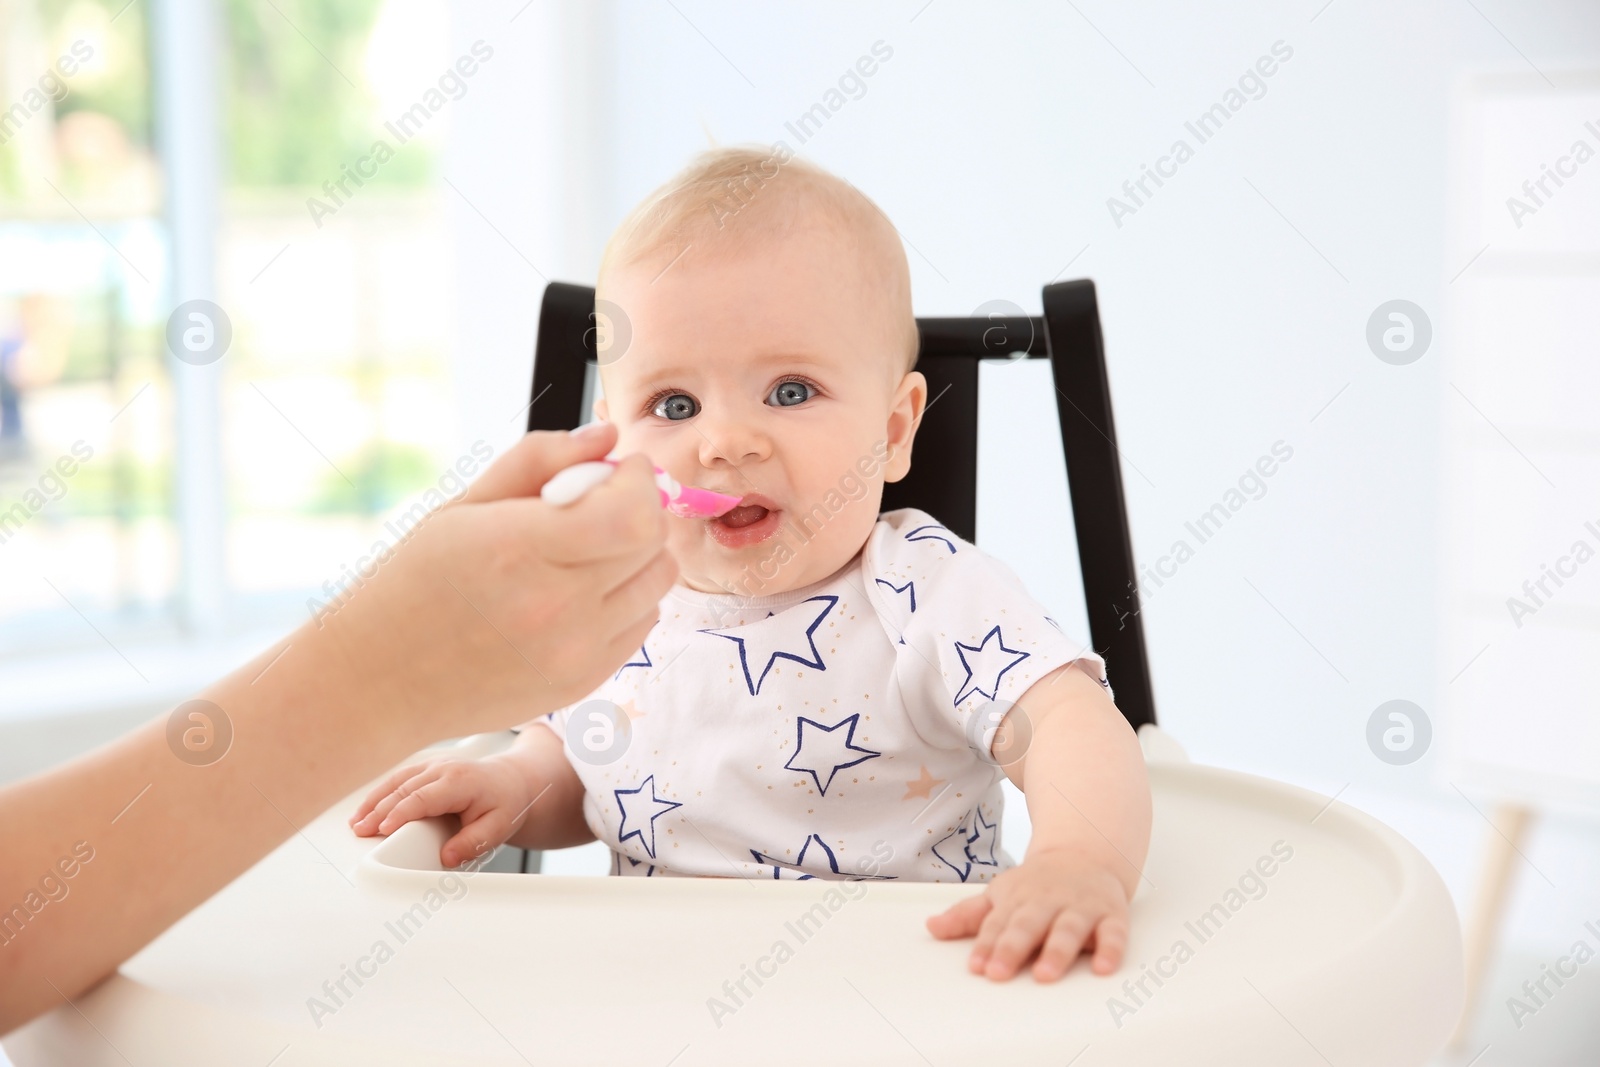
[(905, 415)]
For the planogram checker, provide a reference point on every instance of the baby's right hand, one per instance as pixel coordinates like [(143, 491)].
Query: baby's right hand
[(492, 796)]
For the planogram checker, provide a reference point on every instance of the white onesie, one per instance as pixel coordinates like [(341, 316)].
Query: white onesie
[(829, 731)]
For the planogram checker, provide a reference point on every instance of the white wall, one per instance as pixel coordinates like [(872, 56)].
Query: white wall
[(1234, 302)]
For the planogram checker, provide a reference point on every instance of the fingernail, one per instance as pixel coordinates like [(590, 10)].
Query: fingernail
[(587, 431)]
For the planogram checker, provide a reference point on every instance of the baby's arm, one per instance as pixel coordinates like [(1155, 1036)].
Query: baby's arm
[(1089, 800), (527, 795)]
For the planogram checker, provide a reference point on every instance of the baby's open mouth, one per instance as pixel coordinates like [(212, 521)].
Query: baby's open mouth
[(743, 515), (746, 524)]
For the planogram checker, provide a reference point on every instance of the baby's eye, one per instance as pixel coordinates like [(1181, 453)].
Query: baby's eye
[(788, 394), (677, 406)]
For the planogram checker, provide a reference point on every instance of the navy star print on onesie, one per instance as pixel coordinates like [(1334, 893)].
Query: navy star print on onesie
[(828, 731)]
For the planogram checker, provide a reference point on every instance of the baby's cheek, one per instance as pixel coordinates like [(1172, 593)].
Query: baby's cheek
[(840, 539)]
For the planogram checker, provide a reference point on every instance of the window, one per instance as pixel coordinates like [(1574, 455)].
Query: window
[(333, 265), (331, 403), (85, 407)]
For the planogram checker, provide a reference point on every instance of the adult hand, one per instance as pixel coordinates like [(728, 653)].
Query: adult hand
[(498, 608), (501, 607)]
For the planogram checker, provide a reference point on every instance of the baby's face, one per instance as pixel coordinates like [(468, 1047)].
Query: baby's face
[(772, 374)]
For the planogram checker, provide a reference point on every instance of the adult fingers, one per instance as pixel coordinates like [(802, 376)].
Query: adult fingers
[(619, 518), (960, 920), (640, 593), (528, 464), (1066, 939), (606, 577)]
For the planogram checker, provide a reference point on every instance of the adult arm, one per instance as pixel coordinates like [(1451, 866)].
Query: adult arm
[(498, 607)]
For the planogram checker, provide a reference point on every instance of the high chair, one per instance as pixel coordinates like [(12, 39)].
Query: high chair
[(1272, 926)]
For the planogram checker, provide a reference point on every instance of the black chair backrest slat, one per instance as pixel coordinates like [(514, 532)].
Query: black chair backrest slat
[(944, 472), (944, 457)]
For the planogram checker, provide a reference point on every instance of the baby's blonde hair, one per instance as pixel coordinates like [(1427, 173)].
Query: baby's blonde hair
[(730, 198)]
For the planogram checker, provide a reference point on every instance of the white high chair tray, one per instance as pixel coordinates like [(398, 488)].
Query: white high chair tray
[(1347, 953)]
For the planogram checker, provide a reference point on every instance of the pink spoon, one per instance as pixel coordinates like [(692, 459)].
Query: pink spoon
[(685, 501)]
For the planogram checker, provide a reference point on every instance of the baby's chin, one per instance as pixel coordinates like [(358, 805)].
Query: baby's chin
[(776, 564)]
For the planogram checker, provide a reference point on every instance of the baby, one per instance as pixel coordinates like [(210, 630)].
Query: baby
[(829, 692)]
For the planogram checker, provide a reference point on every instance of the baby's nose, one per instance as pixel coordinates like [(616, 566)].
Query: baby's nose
[(731, 439)]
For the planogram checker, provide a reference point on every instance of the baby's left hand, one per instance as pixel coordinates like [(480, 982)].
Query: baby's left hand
[(1062, 901)]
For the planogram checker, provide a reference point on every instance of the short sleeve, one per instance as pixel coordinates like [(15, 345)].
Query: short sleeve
[(970, 639)]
